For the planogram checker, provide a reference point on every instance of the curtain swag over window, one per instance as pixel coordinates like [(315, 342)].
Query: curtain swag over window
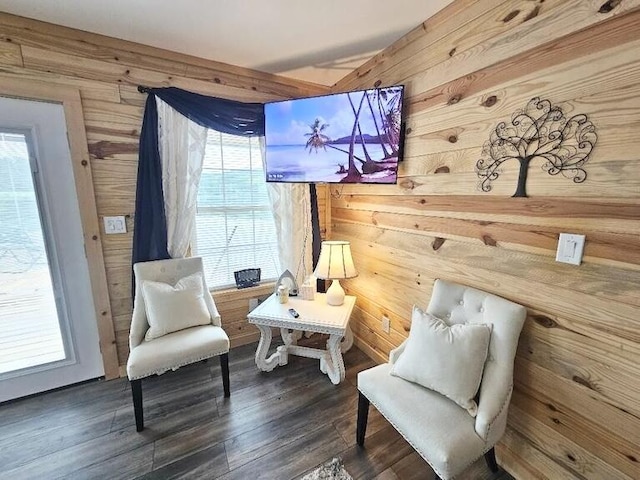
[(228, 116), (150, 238)]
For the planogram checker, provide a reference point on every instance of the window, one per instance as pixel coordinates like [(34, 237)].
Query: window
[(234, 224)]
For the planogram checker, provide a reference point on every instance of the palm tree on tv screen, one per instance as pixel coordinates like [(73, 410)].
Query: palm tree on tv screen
[(388, 101), (317, 139), (370, 165), (373, 94), (353, 174), (387, 124)]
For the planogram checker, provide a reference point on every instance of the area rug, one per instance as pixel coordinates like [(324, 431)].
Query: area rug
[(333, 470)]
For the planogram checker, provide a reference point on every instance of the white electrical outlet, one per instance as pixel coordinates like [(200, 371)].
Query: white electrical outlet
[(115, 225), (386, 324)]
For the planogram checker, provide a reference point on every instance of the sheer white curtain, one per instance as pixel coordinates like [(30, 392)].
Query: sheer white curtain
[(291, 206), (181, 143)]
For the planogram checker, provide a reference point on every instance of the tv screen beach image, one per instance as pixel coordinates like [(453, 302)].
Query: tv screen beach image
[(352, 137)]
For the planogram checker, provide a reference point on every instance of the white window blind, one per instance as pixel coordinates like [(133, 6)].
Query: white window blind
[(234, 224)]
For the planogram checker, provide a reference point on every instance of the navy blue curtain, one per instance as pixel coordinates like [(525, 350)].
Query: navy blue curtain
[(316, 241), (228, 116), (150, 223)]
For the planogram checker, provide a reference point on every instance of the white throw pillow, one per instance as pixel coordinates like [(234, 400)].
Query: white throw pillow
[(447, 359), (172, 308)]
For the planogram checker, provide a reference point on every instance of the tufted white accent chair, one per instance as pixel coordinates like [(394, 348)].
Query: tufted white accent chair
[(176, 349), (443, 433)]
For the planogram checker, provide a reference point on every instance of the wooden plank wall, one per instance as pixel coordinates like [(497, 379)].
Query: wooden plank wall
[(576, 408), (107, 72)]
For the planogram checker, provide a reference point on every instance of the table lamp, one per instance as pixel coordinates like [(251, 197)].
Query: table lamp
[(335, 262)]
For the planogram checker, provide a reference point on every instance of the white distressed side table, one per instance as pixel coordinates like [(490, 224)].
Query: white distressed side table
[(314, 316)]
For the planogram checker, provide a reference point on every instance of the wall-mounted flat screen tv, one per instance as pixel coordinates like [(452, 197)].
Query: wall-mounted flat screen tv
[(353, 137)]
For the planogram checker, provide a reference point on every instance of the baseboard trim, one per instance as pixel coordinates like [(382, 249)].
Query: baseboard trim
[(370, 352)]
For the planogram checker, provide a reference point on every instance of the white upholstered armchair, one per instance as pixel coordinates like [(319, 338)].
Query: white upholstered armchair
[(175, 323), (450, 437)]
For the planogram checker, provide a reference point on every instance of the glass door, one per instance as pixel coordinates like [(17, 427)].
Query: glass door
[(30, 327), (48, 330)]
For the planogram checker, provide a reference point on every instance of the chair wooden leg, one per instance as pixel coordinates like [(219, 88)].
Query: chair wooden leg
[(136, 391), (224, 366), (490, 457), (363, 416)]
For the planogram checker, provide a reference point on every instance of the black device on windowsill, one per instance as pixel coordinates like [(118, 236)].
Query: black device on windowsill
[(249, 277)]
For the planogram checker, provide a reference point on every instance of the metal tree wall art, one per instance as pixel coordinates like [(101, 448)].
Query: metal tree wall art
[(540, 131)]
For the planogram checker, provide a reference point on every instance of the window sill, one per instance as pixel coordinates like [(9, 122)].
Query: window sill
[(270, 286)]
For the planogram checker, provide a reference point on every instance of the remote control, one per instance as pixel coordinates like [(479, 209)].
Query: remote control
[(293, 313)]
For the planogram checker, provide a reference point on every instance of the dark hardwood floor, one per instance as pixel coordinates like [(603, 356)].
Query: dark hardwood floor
[(276, 425)]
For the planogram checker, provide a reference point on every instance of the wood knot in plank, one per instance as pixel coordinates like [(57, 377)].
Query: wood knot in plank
[(511, 16), (84, 163), (571, 457), (362, 73), (489, 240), (544, 321), (534, 13), (443, 169), (105, 148), (377, 83), (455, 99), (632, 458), (452, 52), (552, 407), (490, 101), (408, 184), (609, 5), (437, 243), (453, 138), (408, 130), (422, 201), (582, 381)]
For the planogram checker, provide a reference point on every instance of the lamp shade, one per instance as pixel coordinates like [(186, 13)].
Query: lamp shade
[(335, 261)]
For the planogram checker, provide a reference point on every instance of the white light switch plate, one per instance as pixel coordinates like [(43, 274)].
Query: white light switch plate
[(115, 225), (570, 248), (386, 324)]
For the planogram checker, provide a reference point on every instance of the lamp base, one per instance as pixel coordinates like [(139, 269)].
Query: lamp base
[(335, 294)]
